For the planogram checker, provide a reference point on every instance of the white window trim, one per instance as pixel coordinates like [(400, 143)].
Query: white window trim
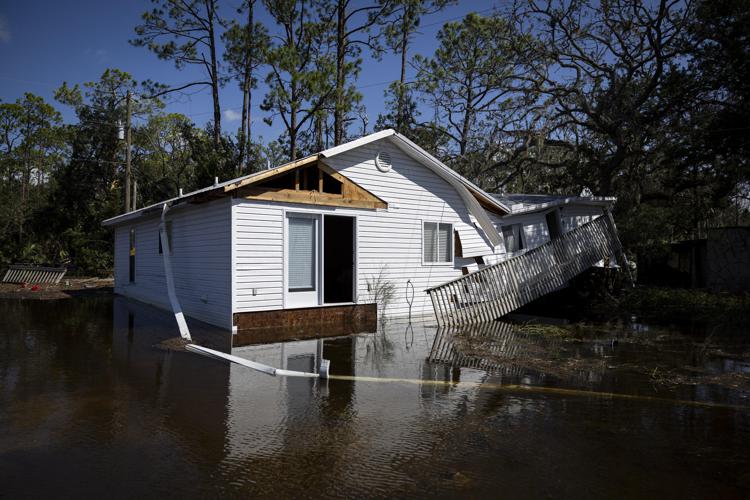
[(452, 241)]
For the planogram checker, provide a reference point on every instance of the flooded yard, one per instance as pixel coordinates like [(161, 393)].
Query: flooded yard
[(91, 405)]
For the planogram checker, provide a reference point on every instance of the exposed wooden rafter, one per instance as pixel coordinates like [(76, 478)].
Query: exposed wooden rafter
[(352, 195)]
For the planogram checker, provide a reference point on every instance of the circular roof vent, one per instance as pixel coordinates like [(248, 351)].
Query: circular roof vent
[(383, 161)]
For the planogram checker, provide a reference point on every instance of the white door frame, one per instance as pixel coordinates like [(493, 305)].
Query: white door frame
[(289, 301), (311, 298)]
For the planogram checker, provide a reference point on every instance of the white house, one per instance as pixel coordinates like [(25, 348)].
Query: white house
[(317, 240)]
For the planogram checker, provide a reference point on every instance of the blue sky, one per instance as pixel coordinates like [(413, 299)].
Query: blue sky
[(43, 43)]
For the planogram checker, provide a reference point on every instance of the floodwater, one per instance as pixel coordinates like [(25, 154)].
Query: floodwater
[(89, 407)]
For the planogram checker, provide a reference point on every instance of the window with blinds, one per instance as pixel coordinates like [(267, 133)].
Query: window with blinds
[(302, 254), (437, 243)]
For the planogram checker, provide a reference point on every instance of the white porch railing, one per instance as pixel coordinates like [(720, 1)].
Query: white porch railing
[(498, 289)]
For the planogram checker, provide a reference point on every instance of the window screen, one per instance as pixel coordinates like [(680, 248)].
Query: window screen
[(437, 242), (302, 253), (131, 257)]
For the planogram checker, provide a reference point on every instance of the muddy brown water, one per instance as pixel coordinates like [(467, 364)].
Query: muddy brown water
[(90, 408)]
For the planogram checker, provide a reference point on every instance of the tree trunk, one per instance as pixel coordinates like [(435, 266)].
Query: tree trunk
[(319, 132), (401, 112), (243, 126), (246, 89), (338, 111), (214, 72), (251, 58), (293, 125)]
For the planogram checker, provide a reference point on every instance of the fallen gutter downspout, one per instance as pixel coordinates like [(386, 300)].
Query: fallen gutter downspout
[(452, 178), (269, 370), (166, 250), (185, 332)]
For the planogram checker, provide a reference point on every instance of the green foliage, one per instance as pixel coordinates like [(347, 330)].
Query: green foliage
[(672, 303), (473, 83), (185, 32), (300, 82), (648, 102), (246, 46), (31, 145)]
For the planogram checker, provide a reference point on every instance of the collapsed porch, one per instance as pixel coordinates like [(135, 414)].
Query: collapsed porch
[(498, 289)]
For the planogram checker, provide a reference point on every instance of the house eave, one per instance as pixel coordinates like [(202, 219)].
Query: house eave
[(602, 201)]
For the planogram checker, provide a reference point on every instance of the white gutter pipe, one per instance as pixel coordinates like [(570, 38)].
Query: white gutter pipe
[(166, 250), (185, 332), (268, 370)]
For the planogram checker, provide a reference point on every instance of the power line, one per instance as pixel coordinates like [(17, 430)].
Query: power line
[(456, 18)]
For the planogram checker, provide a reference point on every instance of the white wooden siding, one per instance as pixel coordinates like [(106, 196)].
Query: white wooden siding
[(391, 239), (573, 216), (258, 255), (201, 261), (386, 239), (534, 228), (474, 243), (122, 247)]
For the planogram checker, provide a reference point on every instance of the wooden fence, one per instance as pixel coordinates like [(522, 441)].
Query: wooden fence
[(498, 289), (19, 273)]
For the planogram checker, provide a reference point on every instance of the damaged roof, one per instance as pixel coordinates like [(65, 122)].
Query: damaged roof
[(524, 203), (473, 195)]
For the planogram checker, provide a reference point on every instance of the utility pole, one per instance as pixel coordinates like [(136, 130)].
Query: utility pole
[(127, 153)]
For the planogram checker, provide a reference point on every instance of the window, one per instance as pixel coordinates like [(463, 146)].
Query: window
[(437, 243), (514, 238), (553, 224), (169, 239), (302, 253), (131, 257)]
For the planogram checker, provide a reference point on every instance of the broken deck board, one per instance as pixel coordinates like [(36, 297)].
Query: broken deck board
[(496, 290)]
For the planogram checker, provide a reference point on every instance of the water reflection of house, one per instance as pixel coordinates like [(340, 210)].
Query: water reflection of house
[(188, 391), (304, 243)]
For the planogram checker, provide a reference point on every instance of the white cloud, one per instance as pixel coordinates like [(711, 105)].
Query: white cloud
[(231, 115), (4, 30), (101, 55)]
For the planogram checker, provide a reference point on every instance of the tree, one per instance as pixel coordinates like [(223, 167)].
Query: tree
[(474, 83), (88, 188), (299, 82), (162, 157), (717, 119), (353, 30), (31, 146), (184, 32), (246, 46), (400, 26), (598, 67)]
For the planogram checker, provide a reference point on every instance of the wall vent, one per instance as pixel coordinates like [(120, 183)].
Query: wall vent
[(383, 161)]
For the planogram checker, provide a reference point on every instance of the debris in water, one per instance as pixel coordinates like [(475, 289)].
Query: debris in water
[(173, 344)]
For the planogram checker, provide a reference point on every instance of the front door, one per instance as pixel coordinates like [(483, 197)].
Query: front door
[(303, 260), (338, 259)]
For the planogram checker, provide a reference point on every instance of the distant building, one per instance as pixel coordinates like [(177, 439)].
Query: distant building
[(720, 262)]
